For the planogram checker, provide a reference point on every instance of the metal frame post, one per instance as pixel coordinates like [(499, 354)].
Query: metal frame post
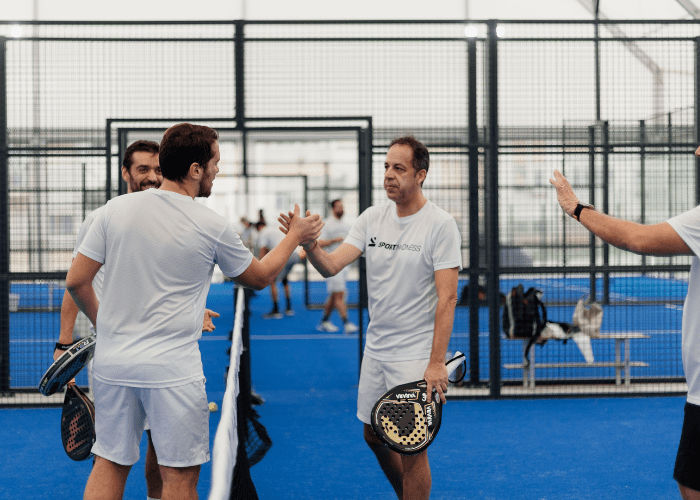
[(4, 227), (365, 187), (591, 198), (697, 118), (606, 207), (642, 177), (491, 202), (473, 213)]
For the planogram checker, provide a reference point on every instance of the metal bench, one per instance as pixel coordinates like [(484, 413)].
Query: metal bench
[(620, 364)]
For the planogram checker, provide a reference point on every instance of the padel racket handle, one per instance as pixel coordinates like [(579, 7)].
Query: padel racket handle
[(453, 363)]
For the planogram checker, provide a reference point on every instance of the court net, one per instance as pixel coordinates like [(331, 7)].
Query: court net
[(241, 440)]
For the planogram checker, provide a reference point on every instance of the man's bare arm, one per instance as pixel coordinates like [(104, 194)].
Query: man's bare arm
[(69, 313), (79, 284), (330, 264), (654, 239), (261, 273), (436, 374)]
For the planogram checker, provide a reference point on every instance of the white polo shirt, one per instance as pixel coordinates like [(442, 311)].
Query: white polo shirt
[(402, 255), (687, 225), (159, 250)]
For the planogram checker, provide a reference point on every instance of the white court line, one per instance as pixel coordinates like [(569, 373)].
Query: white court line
[(303, 337)]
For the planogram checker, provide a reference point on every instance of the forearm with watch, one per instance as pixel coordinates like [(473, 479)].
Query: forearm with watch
[(616, 232), (579, 208)]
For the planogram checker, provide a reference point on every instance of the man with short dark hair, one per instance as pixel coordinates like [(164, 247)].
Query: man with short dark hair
[(334, 232), (157, 274), (140, 170), (413, 254)]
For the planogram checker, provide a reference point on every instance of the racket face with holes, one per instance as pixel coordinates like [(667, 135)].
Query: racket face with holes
[(404, 420), (77, 424), (66, 367)]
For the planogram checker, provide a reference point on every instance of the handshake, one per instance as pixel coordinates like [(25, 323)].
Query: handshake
[(307, 229)]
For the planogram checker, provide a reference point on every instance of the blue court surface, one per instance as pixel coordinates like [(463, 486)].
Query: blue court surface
[(507, 449), (632, 312)]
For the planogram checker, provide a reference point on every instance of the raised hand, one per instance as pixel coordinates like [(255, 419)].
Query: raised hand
[(565, 194)]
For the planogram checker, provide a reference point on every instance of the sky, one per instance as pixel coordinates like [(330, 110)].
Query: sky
[(168, 10)]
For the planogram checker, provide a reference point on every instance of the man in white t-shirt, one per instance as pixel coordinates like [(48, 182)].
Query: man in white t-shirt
[(334, 232), (413, 254), (140, 170), (159, 248), (677, 236), (268, 239)]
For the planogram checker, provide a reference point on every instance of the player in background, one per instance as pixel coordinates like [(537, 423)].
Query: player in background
[(334, 232)]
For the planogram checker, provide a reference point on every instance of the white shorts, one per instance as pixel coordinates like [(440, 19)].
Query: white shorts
[(336, 283), (377, 377), (179, 418)]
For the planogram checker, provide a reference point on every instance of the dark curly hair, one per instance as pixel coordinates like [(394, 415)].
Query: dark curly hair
[(185, 144), (138, 147)]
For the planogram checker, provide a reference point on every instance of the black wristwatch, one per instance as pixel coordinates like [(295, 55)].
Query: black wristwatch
[(579, 208)]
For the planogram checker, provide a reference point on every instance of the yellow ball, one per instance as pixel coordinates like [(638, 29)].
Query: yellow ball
[(213, 407)]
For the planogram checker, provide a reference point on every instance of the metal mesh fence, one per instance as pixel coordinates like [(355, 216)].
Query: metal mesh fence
[(612, 105)]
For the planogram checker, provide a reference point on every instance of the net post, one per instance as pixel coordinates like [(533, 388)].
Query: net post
[(244, 377)]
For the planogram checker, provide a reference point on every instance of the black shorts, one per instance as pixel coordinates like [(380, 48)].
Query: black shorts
[(687, 470)]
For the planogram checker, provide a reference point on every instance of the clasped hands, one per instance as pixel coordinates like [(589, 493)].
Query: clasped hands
[(308, 228)]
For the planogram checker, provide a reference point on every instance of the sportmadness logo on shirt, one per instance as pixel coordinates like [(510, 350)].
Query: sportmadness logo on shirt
[(393, 246)]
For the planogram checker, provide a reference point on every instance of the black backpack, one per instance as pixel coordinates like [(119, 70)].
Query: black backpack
[(524, 316)]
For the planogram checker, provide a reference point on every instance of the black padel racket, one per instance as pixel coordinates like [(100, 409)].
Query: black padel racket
[(404, 420), (65, 368), (77, 424)]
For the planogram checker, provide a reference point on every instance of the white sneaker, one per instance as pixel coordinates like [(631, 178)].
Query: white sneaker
[(327, 326), (350, 327)]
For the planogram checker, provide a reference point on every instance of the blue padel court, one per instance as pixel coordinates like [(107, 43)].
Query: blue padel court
[(539, 449), (652, 307)]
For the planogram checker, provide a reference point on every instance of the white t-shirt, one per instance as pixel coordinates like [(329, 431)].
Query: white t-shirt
[(402, 255), (98, 282), (687, 225), (159, 250), (334, 228)]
